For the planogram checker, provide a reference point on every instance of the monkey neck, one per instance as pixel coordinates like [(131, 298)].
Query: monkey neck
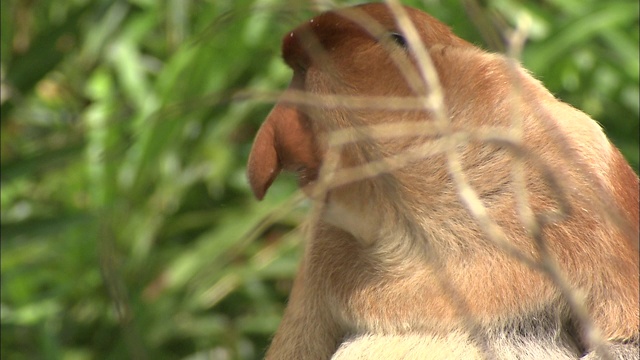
[(387, 227)]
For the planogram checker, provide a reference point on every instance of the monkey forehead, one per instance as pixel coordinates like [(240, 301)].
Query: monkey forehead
[(330, 29)]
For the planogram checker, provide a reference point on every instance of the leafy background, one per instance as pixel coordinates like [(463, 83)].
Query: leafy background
[(128, 227)]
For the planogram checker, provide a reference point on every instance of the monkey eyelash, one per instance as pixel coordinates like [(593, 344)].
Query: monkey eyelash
[(399, 39)]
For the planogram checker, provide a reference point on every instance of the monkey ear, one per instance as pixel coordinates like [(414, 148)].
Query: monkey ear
[(284, 141)]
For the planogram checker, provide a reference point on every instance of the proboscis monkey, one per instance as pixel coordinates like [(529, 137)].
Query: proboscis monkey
[(453, 229)]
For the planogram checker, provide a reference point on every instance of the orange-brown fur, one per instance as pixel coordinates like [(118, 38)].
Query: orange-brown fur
[(397, 258)]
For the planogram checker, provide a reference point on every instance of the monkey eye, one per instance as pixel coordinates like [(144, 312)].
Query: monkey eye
[(399, 39)]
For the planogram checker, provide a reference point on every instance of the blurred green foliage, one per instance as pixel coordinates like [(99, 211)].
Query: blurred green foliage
[(128, 228)]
